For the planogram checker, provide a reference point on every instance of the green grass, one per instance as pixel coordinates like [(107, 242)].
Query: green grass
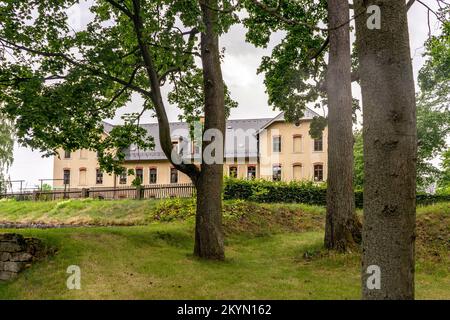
[(272, 252), (86, 211)]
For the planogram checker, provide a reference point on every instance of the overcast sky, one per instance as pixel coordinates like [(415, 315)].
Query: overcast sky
[(239, 71)]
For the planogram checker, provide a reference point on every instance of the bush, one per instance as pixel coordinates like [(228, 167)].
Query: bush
[(268, 191), (426, 199), (298, 192), (174, 209)]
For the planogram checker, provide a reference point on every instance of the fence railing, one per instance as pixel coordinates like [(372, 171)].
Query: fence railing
[(156, 191)]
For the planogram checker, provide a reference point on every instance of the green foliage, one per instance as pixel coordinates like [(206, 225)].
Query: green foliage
[(6, 148), (58, 83), (444, 181), (46, 187), (433, 113), (317, 126), (433, 128), (136, 182), (434, 77), (268, 191), (358, 152), (187, 95), (298, 192), (427, 199), (174, 209), (293, 76)]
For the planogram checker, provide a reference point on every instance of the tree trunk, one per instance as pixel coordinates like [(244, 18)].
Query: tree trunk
[(390, 142), (208, 228), (342, 229)]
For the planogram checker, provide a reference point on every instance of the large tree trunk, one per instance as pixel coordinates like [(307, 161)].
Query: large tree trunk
[(390, 142), (342, 229), (208, 228)]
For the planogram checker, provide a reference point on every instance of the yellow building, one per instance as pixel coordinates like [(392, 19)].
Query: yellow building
[(254, 148)]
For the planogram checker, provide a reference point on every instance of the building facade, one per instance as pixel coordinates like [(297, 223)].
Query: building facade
[(270, 149)]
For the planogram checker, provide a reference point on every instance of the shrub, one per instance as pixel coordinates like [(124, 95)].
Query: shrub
[(298, 192), (268, 191), (426, 199), (174, 209)]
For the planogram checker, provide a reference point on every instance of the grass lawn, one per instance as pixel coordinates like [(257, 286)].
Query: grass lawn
[(273, 252)]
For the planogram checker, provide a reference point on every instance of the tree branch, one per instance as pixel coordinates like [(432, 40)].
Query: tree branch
[(409, 4), (275, 12), (23, 79), (190, 44), (229, 10), (125, 87), (431, 10), (121, 8), (163, 123), (321, 49), (72, 61), (134, 50)]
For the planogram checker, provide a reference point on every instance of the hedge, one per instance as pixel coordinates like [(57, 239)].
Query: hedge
[(298, 192)]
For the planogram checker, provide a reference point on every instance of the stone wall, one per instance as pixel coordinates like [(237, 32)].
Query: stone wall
[(17, 253)]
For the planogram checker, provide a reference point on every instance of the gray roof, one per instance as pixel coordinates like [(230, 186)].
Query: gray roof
[(107, 127), (309, 114), (241, 139), (237, 144)]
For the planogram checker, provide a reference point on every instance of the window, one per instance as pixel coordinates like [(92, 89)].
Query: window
[(153, 174), (99, 176), (276, 172), (123, 178), (67, 154), (276, 144), (297, 171), (140, 174), (318, 144), (251, 172), (173, 175), (297, 141), (233, 172), (66, 176), (82, 180), (83, 154), (318, 172)]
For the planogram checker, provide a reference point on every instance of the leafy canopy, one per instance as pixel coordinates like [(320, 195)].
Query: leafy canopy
[(58, 83), (6, 149), (434, 77), (295, 71)]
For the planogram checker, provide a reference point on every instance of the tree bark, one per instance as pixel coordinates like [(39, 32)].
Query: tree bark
[(390, 145), (155, 95), (209, 180), (208, 228), (342, 228)]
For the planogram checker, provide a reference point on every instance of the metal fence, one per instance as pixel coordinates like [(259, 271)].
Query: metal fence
[(156, 191)]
